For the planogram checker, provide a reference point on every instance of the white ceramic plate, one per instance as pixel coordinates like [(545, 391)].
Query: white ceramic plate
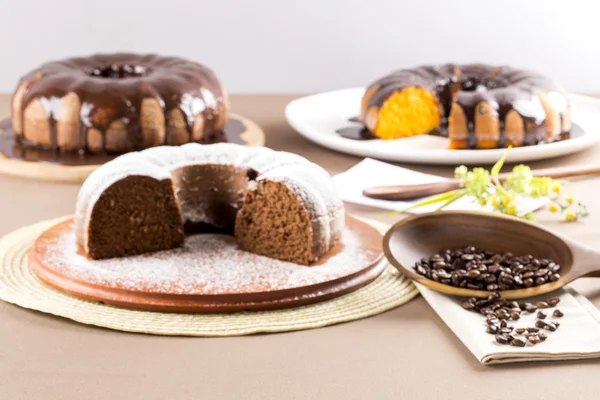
[(318, 117)]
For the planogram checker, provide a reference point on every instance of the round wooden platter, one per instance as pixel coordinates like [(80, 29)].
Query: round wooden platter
[(54, 255), (54, 172)]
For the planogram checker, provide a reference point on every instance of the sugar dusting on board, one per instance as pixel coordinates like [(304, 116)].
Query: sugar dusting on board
[(207, 264)]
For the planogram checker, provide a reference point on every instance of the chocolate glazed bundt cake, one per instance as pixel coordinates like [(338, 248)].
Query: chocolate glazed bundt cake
[(115, 103), (481, 106), (277, 204)]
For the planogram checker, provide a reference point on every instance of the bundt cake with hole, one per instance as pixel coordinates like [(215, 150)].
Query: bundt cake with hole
[(481, 106), (277, 204), (116, 103)]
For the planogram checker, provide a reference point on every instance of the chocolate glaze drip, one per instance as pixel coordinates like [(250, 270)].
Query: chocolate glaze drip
[(360, 132), (112, 87), (504, 88), (12, 147)]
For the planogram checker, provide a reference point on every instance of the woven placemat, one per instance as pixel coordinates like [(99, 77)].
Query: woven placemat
[(19, 286)]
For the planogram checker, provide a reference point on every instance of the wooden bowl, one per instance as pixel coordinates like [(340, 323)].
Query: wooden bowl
[(424, 235)]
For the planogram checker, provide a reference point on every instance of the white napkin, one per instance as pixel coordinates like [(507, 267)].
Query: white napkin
[(577, 337), (369, 173)]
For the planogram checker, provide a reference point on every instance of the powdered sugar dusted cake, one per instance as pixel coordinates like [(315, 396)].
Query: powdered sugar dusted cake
[(277, 204)]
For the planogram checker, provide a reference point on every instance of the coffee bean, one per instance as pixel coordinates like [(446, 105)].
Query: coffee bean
[(540, 281), (533, 330), (534, 339), (542, 336), (493, 329), (512, 304), (518, 342), (502, 314), (557, 313), (553, 301), (440, 265), (556, 323), (507, 329), (473, 273), (551, 327), (517, 280), (541, 272), (540, 324), (541, 304), (541, 315), (478, 269), (520, 331), (531, 309), (515, 316), (502, 339), (503, 323)]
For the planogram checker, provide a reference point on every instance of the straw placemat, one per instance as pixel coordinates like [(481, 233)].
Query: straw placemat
[(19, 286)]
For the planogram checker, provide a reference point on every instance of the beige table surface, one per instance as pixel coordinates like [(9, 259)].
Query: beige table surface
[(406, 353)]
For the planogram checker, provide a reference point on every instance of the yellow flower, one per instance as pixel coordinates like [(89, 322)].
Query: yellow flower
[(511, 209), (556, 188), (570, 216), (569, 198), (494, 201), (482, 201), (553, 207), (506, 200)]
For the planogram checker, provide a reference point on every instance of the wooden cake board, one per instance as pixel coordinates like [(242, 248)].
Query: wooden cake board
[(49, 261), (53, 172)]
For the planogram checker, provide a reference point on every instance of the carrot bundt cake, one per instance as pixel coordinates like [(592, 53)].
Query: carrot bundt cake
[(481, 106), (277, 204), (115, 103)]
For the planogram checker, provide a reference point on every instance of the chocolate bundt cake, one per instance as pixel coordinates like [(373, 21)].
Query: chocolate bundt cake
[(481, 106), (277, 204), (115, 103)]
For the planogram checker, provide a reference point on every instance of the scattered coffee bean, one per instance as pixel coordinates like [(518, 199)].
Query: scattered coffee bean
[(534, 339), (541, 315), (557, 313), (513, 305), (541, 304), (531, 309), (502, 339), (479, 269), (493, 329), (553, 301), (540, 324), (499, 312)]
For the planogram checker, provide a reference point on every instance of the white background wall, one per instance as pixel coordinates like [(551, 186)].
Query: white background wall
[(310, 45)]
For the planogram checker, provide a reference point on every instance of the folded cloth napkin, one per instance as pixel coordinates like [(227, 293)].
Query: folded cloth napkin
[(577, 337), (369, 173)]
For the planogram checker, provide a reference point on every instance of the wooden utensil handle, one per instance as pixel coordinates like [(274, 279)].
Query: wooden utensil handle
[(586, 261), (406, 192)]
